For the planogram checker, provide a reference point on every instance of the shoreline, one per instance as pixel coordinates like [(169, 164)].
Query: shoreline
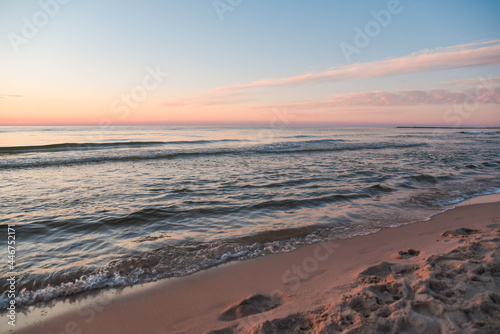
[(296, 281)]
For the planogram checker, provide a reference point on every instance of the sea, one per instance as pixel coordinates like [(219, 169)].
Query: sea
[(94, 208)]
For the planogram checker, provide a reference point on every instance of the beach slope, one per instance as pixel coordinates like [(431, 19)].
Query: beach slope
[(440, 275)]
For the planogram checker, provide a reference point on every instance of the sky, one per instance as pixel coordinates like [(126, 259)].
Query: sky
[(322, 62)]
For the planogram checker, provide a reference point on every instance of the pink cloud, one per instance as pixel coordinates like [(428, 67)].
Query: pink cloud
[(489, 95), (439, 59), (483, 53), (461, 46), (480, 81)]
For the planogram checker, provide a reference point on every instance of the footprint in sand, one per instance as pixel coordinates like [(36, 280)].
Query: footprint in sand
[(252, 305), (459, 233), (382, 272), (406, 254)]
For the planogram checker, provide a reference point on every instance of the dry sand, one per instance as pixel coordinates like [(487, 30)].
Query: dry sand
[(437, 276)]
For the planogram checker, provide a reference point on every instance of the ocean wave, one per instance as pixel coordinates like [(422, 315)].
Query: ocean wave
[(479, 132), (426, 178), (380, 188), (299, 136), (453, 193), (296, 148), (287, 204), (173, 261), (103, 145), (170, 218), (72, 146), (472, 132)]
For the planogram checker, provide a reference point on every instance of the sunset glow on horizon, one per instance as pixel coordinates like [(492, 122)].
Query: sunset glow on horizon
[(380, 63)]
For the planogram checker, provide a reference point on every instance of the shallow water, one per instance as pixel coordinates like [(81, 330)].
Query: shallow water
[(96, 208)]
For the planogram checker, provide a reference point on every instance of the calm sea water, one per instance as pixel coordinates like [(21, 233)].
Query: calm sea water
[(127, 205)]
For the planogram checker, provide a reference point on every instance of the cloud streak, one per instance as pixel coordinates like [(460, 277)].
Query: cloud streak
[(3, 96), (454, 57), (490, 95), (491, 80), (484, 53)]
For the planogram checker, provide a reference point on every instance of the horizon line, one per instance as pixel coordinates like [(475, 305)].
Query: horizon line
[(257, 124)]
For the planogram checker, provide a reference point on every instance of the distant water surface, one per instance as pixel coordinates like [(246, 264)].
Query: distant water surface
[(98, 208)]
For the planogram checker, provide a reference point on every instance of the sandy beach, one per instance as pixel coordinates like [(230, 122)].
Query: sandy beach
[(440, 275), (250, 167)]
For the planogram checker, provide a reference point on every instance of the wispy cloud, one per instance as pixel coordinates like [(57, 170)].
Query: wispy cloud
[(490, 81), (459, 56), (3, 96), (489, 95), (483, 53)]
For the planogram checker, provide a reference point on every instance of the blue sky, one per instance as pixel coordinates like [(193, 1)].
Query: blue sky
[(91, 52)]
